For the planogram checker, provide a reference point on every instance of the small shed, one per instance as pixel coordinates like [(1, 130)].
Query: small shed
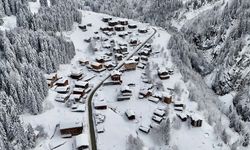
[(153, 99), (130, 114), (145, 92), (130, 65), (51, 79), (179, 106), (116, 75), (81, 141), (113, 23), (100, 128), (166, 97), (119, 57), (68, 129), (133, 42), (62, 82), (78, 90)]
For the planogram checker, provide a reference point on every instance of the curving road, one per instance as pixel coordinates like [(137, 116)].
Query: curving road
[(90, 97)]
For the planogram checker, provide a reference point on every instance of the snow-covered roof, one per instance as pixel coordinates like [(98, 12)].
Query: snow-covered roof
[(126, 88), (62, 88), (81, 140), (119, 26), (50, 76), (78, 90), (157, 118), (159, 112), (61, 81), (153, 99), (75, 96), (81, 83), (130, 113), (100, 103), (144, 128), (130, 62), (76, 72), (96, 64), (70, 125), (115, 72), (162, 70)]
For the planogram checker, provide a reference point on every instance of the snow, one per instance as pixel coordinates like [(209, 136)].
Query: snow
[(9, 23), (34, 6)]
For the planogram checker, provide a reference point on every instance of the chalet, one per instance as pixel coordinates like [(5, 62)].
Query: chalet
[(141, 66), (130, 114), (163, 73), (76, 97), (78, 90), (145, 52), (144, 129), (68, 129), (106, 45), (117, 49), (77, 74), (63, 89), (142, 30), (144, 58), (119, 28), (51, 79), (179, 106), (124, 49), (147, 45), (159, 112), (116, 75), (118, 57), (81, 84), (83, 27), (126, 91), (132, 26), (166, 97), (102, 104), (133, 42), (62, 98), (153, 99), (106, 19), (83, 62), (96, 65), (182, 116), (108, 54), (130, 65), (112, 23), (89, 24), (145, 92), (110, 65), (123, 43), (157, 119), (87, 40), (196, 121), (123, 22), (100, 59), (81, 141), (170, 71)]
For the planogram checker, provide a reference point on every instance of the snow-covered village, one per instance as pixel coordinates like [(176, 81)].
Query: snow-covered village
[(124, 75)]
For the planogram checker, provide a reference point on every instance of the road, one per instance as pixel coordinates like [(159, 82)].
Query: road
[(90, 97)]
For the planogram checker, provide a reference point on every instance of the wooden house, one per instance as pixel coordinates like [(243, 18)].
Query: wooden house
[(62, 82), (133, 42), (157, 119), (106, 19), (166, 97), (102, 104), (130, 114), (96, 65), (144, 129), (110, 65), (123, 22), (77, 74), (109, 29), (83, 62), (142, 30), (122, 34), (119, 28), (144, 58), (63, 89), (78, 90), (62, 97), (113, 23), (126, 91), (179, 106), (81, 84), (118, 57), (81, 141), (51, 79), (132, 26), (159, 112), (196, 121), (130, 65), (68, 129), (182, 116), (116, 75), (76, 97), (100, 59), (145, 92), (163, 73), (147, 45)]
